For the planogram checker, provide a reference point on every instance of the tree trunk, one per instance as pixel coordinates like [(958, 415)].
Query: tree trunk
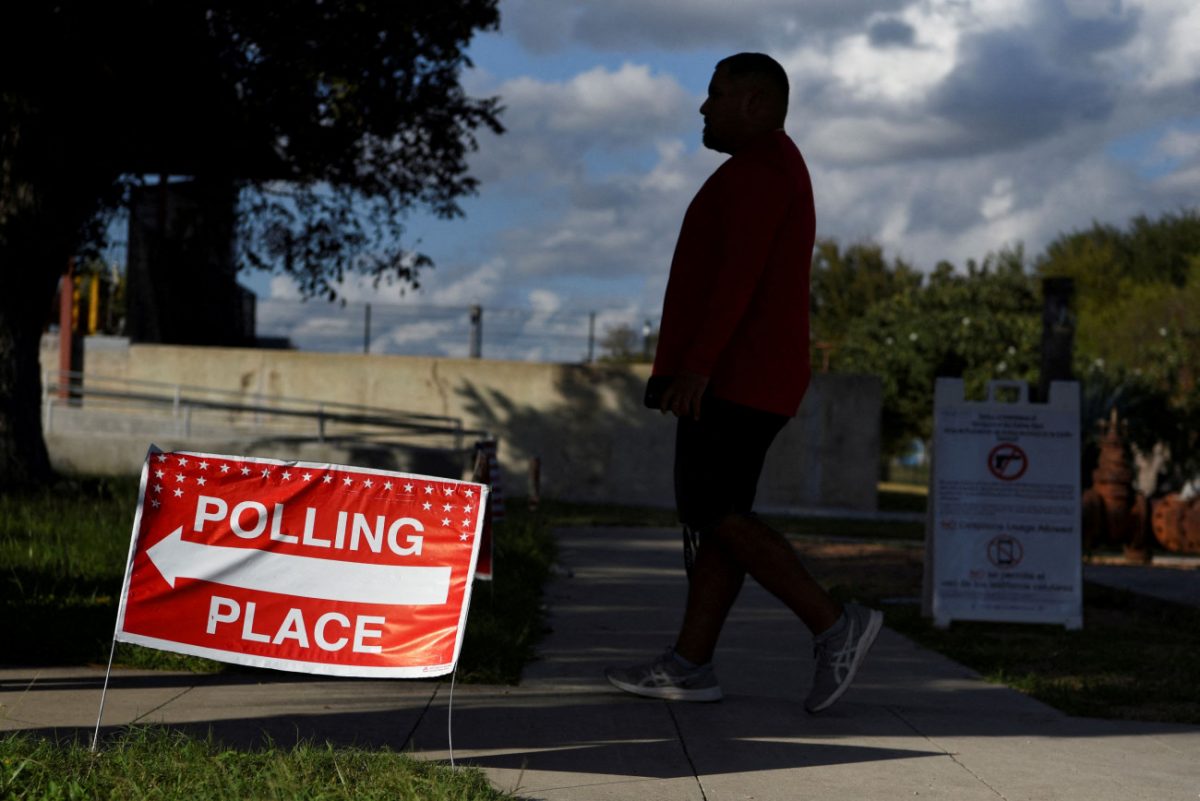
[(26, 296), (54, 180)]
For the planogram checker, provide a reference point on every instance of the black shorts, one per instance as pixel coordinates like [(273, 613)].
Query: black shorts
[(718, 460)]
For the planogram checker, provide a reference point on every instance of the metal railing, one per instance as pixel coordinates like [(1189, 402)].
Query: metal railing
[(191, 409)]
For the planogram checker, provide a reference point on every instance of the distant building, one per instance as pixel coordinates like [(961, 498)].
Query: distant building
[(182, 286)]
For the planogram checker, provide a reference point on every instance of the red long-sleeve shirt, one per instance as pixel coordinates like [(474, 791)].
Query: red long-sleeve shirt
[(736, 306)]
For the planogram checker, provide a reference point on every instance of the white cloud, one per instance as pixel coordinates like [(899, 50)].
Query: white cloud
[(420, 332), (283, 288), (552, 126), (896, 75), (1179, 144), (543, 301), (940, 129), (1184, 183), (480, 285), (999, 201), (1164, 54), (860, 140), (546, 26)]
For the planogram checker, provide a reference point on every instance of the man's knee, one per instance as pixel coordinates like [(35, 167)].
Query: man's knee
[(727, 524)]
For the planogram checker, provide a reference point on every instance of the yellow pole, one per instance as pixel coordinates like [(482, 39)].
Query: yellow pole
[(94, 304)]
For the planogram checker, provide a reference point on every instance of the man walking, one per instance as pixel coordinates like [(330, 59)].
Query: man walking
[(733, 351)]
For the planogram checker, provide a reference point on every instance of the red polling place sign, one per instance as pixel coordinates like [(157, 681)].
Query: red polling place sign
[(305, 567)]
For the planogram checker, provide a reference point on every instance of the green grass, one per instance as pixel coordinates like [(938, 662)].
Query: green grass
[(895, 497), (507, 618), (62, 559), (1136, 658), (169, 766)]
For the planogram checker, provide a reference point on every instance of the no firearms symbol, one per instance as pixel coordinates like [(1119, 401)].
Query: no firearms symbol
[(1007, 461)]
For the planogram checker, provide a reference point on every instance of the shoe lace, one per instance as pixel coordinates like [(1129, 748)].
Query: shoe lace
[(839, 659)]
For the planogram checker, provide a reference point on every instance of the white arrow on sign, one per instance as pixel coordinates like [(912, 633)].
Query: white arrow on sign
[(323, 579)]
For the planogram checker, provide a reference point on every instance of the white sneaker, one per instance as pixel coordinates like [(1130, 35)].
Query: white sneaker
[(665, 678), (839, 656)]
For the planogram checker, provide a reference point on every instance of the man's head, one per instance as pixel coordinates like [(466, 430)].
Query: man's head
[(748, 95)]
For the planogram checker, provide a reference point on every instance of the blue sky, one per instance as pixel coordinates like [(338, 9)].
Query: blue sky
[(940, 129)]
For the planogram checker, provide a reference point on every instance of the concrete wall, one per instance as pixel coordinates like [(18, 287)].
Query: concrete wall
[(586, 423)]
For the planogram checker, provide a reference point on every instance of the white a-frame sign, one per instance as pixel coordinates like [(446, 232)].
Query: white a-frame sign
[(1003, 542)]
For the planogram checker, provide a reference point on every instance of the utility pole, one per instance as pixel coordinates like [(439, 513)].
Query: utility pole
[(1058, 333), (476, 351), (367, 330), (591, 337)]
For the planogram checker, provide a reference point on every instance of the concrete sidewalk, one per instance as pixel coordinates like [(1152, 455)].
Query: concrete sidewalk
[(914, 726)]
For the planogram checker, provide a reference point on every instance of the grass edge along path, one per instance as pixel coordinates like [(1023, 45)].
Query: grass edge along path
[(1136, 658), (145, 763)]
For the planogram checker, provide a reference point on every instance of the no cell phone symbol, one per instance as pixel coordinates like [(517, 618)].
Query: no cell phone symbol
[(1007, 462), (1005, 551)]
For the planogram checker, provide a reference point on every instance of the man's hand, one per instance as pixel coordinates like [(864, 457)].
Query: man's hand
[(682, 397)]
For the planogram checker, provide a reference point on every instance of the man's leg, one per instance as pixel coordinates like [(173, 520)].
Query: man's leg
[(714, 584), (766, 555), (716, 580), (741, 544)]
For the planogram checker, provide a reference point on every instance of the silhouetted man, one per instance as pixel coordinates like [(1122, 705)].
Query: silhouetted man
[(733, 350)]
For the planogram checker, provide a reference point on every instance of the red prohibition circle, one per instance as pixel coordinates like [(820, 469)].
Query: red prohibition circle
[(1005, 552), (1007, 461)]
